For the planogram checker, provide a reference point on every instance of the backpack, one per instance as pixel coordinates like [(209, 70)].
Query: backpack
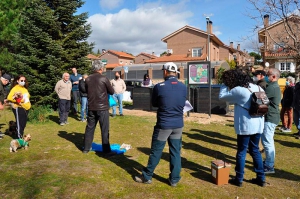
[(259, 103)]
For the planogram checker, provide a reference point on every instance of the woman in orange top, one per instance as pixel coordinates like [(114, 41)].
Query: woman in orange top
[(19, 98)]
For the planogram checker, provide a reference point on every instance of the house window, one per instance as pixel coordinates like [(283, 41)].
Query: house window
[(285, 66), (282, 66), (197, 52), (288, 66), (279, 47), (121, 62)]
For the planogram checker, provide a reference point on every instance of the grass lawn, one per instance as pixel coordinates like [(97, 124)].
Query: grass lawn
[(54, 167)]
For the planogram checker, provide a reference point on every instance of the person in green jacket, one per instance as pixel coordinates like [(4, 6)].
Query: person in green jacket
[(272, 118)]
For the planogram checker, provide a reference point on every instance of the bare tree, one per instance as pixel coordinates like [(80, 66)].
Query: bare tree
[(278, 26)]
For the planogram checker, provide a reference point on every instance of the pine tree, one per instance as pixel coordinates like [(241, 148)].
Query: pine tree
[(9, 25), (37, 54), (51, 40), (74, 32)]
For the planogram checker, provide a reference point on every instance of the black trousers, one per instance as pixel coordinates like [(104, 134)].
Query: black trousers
[(103, 118), (21, 116), (64, 109)]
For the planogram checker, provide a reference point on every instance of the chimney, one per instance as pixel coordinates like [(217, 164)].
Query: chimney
[(103, 51), (152, 53), (231, 44), (209, 27), (239, 47), (266, 20)]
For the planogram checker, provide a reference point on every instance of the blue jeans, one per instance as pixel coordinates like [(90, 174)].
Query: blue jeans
[(159, 138), (243, 143), (296, 117), (268, 143), (119, 98), (84, 108)]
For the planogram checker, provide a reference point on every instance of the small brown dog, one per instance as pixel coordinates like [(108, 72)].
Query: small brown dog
[(18, 143)]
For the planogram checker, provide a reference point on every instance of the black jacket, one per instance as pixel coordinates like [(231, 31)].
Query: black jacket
[(98, 87), (287, 98), (82, 90), (296, 97)]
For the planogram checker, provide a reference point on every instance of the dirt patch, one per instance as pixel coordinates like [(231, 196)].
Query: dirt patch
[(200, 118)]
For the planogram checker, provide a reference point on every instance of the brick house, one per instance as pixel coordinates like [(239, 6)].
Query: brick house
[(191, 44), (277, 43), (116, 58), (142, 57)]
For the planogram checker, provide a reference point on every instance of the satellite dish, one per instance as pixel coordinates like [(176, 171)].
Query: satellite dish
[(267, 64)]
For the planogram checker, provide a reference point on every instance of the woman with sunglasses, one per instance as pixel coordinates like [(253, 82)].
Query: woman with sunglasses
[(19, 97)]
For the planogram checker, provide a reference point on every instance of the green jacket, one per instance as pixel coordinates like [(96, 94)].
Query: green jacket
[(22, 142), (274, 94)]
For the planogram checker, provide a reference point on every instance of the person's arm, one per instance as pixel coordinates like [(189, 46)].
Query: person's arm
[(124, 87), (56, 89), (155, 96), (1, 106), (10, 95), (82, 86), (231, 96), (110, 89)]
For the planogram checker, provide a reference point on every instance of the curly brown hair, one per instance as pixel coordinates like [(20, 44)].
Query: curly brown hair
[(236, 77)]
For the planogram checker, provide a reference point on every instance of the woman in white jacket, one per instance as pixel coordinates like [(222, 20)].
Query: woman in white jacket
[(248, 128)]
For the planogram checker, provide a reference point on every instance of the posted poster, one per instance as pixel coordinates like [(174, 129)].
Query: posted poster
[(198, 73)]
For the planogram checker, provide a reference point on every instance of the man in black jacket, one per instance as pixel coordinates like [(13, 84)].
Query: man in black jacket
[(286, 106), (83, 95), (296, 109), (98, 87)]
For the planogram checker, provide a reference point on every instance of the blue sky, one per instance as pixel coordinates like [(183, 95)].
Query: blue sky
[(136, 26)]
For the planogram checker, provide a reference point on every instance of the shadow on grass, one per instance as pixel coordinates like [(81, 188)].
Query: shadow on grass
[(210, 137), (131, 166), (54, 118), (74, 137), (198, 171), (288, 144)]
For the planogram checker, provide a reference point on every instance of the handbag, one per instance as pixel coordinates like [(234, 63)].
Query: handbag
[(111, 101)]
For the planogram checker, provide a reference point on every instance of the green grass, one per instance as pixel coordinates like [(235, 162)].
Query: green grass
[(54, 167)]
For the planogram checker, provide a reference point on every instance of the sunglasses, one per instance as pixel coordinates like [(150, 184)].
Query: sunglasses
[(22, 80)]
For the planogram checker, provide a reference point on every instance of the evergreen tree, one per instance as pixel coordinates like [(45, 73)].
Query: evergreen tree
[(9, 24), (74, 32), (51, 40), (38, 55)]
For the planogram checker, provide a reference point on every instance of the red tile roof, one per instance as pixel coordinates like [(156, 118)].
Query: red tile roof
[(281, 54), (91, 56), (176, 58), (119, 54), (148, 55)]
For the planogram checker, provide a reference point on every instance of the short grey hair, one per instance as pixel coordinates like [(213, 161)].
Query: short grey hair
[(97, 65), (291, 79), (64, 74), (275, 71)]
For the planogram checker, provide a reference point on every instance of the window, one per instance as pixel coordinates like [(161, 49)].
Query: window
[(282, 66), (197, 52), (286, 66), (279, 47)]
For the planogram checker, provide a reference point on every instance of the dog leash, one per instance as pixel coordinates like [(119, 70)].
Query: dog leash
[(18, 126)]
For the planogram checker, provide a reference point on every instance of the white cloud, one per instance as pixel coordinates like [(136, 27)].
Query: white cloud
[(140, 30), (110, 4)]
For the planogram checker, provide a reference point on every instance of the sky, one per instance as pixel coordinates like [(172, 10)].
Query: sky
[(136, 26)]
